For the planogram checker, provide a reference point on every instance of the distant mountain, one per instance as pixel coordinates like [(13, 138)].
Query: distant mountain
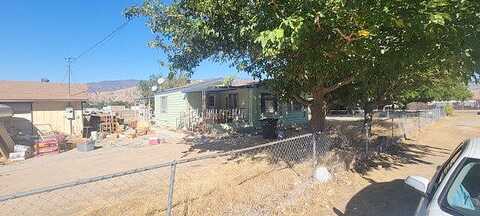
[(127, 95), (113, 85), (114, 90)]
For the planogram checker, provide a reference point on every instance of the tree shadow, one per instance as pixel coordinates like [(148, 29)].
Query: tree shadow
[(386, 198), (398, 155), (285, 152), (343, 139)]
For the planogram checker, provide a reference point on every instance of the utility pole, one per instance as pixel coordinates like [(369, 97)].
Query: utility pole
[(69, 61)]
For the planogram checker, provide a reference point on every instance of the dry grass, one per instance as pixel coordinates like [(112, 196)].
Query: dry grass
[(246, 185), (240, 187), (251, 186)]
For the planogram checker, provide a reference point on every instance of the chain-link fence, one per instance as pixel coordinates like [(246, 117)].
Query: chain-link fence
[(254, 180), (408, 124), (264, 179)]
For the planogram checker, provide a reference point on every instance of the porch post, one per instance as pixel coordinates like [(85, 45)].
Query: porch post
[(204, 102), (250, 106)]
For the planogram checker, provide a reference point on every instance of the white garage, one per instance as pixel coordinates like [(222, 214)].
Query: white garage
[(42, 106)]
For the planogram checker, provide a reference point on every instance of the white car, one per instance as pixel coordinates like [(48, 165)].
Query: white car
[(455, 187)]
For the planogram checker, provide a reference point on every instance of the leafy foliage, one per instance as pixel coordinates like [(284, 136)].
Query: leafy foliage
[(311, 48), (145, 86), (448, 109), (172, 81), (442, 90)]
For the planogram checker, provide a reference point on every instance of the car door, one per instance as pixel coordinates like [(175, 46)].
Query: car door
[(437, 179)]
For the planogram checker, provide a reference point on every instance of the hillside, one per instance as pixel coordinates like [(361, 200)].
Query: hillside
[(111, 85), (116, 90), (127, 95)]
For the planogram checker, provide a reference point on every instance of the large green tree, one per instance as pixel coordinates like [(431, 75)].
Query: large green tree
[(311, 48), (438, 90)]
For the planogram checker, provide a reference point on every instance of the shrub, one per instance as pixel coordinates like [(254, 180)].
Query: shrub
[(448, 109)]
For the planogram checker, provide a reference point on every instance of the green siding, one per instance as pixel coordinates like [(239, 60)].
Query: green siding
[(293, 118), (243, 98), (194, 100), (249, 99), (285, 118), (176, 106)]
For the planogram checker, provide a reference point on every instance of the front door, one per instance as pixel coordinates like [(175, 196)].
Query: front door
[(232, 101)]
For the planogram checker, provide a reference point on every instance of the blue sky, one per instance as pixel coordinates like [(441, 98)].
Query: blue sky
[(36, 36)]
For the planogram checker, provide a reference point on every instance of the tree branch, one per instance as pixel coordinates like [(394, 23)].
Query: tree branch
[(348, 38), (302, 100), (339, 84)]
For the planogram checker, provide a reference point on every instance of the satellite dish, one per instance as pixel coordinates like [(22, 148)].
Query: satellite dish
[(154, 88), (160, 81)]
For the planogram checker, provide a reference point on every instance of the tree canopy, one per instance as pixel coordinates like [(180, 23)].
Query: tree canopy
[(311, 48), (173, 80)]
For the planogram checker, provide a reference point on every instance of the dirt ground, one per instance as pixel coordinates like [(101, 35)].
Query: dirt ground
[(255, 188), (247, 187), (111, 156), (382, 191)]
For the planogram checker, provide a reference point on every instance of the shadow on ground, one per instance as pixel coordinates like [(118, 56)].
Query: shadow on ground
[(385, 152), (399, 155), (393, 198)]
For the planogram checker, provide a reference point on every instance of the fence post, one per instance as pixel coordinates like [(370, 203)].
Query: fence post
[(418, 121), (171, 182), (393, 131), (367, 139), (314, 150)]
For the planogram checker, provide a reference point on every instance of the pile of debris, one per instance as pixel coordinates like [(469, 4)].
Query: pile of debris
[(18, 147), (113, 129)]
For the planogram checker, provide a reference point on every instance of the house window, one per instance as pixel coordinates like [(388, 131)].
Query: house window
[(293, 106), (297, 107), (232, 101), (211, 101), (163, 104), (268, 103)]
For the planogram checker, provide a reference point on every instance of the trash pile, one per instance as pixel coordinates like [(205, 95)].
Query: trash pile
[(21, 152)]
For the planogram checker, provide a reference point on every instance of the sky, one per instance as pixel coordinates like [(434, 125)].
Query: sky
[(36, 36)]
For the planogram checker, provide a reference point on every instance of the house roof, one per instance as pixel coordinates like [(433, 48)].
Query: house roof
[(209, 85), (241, 82), (27, 91)]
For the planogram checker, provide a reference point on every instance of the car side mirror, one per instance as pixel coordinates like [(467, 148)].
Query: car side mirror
[(419, 183)]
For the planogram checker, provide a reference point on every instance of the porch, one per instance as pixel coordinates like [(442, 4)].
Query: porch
[(209, 107)]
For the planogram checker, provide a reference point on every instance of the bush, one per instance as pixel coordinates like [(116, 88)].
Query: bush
[(448, 109)]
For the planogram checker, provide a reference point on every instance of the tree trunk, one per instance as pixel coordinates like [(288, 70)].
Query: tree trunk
[(368, 116), (319, 111)]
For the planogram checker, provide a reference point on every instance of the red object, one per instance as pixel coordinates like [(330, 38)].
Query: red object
[(49, 145), (154, 141)]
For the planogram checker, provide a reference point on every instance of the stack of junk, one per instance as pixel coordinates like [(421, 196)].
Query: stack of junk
[(113, 125), (45, 143)]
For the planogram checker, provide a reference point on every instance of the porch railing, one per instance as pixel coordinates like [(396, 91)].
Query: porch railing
[(198, 119)]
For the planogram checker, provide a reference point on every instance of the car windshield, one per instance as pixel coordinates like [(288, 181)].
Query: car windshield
[(464, 193)]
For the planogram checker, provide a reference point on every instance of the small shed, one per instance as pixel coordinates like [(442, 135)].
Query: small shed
[(43, 106)]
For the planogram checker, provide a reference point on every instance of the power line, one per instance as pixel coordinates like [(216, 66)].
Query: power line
[(70, 60), (107, 37)]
